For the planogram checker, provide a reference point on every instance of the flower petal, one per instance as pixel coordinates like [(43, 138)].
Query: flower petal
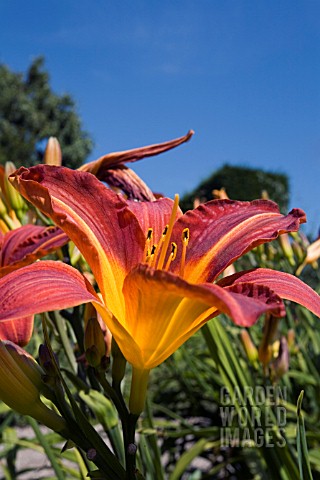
[(111, 160), (18, 331), (163, 311), (283, 284), (43, 286), (96, 219), (223, 230), (28, 243), (155, 215), (129, 182)]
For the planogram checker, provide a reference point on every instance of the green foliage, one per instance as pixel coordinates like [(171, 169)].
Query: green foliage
[(188, 403), (30, 113), (241, 183), (181, 434)]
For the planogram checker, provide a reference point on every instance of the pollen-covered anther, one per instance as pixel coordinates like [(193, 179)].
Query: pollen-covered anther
[(172, 255), (186, 236), (165, 230), (150, 255), (185, 240), (147, 246), (149, 234), (160, 245)]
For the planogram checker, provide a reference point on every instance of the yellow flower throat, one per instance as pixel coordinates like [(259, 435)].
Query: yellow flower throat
[(155, 254)]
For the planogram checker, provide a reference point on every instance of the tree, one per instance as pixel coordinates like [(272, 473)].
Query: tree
[(241, 183), (30, 112)]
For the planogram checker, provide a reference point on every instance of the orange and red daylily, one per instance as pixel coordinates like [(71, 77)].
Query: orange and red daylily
[(18, 248), (153, 265)]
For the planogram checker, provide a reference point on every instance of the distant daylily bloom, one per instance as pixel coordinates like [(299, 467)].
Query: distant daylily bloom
[(154, 266), (18, 248)]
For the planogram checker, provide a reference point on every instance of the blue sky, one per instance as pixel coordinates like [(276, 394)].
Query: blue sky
[(245, 75)]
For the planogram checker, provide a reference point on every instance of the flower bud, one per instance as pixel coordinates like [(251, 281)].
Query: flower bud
[(74, 253), (50, 377), (269, 332), (3, 227), (299, 251), (249, 347), (286, 247), (220, 194), (313, 254), (46, 361), (13, 197), (270, 251), (3, 209), (94, 342), (291, 336), (281, 364), (118, 363), (26, 362), (313, 251), (21, 384), (52, 154)]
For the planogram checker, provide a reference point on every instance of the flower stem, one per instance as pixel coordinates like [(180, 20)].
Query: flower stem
[(138, 393), (130, 447)]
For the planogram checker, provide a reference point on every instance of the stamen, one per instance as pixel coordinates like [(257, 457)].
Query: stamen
[(185, 240), (161, 241), (172, 255), (146, 252), (152, 254), (168, 232), (148, 255)]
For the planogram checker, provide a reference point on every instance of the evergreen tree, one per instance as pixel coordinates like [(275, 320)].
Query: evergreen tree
[(30, 112), (241, 183)]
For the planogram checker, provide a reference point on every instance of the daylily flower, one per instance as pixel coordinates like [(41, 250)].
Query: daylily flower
[(153, 265), (110, 168), (18, 248)]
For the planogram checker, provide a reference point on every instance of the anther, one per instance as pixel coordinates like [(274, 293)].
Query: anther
[(146, 253), (172, 255), (186, 235), (185, 240), (164, 233), (152, 255)]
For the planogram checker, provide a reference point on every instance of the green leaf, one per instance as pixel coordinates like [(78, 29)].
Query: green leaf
[(188, 456), (303, 456)]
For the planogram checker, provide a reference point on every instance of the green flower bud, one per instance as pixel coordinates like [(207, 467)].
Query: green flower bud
[(13, 196), (21, 383), (250, 348), (94, 342)]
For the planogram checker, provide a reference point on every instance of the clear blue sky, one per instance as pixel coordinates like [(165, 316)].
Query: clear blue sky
[(245, 75)]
